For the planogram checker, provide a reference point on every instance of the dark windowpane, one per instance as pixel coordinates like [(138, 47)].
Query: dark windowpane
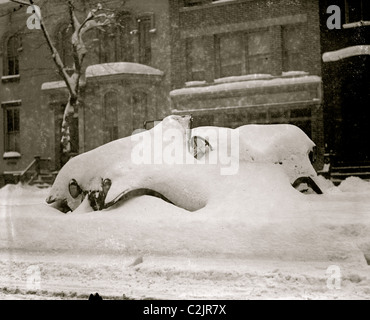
[(258, 43), (292, 38), (139, 110), (110, 107), (203, 120), (125, 46), (260, 116), (16, 120), (13, 55), (145, 49), (293, 46), (259, 64), (16, 142), (12, 133), (299, 113), (106, 44), (258, 53), (354, 10), (234, 120), (196, 59), (110, 117), (231, 55), (366, 10), (74, 136), (279, 114), (10, 121)]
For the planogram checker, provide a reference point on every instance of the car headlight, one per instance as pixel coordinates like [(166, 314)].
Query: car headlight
[(74, 189), (106, 186)]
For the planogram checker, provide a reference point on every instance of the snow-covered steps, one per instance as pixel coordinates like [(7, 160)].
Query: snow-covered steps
[(340, 173), (44, 180)]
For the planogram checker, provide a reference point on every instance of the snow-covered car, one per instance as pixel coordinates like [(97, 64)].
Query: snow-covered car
[(182, 165)]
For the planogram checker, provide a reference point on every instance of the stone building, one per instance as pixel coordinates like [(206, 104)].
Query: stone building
[(226, 62), (125, 80), (346, 79), (239, 62)]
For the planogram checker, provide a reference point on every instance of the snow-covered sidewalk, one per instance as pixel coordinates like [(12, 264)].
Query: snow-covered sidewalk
[(149, 248)]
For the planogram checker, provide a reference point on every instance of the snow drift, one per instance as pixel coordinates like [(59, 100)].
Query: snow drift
[(191, 169)]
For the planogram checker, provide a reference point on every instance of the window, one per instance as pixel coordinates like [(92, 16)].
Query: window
[(145, 46), (113, 43), (12, 129), (110, 117), (107, 44), (196, 59), (258, 52), (125, 46), (231, 55), (139, 110), (243, 53), (64, 43), (12, 51), (203, 120), (293, 46), (357, 10)]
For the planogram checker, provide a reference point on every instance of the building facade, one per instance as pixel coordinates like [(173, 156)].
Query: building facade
[(226, 62), (126, 76), (240, 61), (346, 79)]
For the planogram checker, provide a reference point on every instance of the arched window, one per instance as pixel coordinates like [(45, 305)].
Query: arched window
[(125, 45), (110, 116), (64, 45), (145, 46), (107, 45), (114, 43), (12, 54), (139, 109)]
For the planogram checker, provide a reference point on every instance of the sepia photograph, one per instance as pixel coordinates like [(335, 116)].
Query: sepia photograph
[(185, 150)]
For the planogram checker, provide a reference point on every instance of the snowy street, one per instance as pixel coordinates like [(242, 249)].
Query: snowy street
[(147, 248), (185, 150)]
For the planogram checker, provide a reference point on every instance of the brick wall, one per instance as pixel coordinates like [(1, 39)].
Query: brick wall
[(39, 134), (241, 15)]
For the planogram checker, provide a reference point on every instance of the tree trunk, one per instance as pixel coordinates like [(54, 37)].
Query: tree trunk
[(66, 124)]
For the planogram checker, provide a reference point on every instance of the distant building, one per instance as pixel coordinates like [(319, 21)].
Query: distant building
[(237, 62), (346, 79), (226, 62), (126, 80)]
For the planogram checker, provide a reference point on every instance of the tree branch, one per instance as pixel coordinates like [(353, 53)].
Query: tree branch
[(22, 2)]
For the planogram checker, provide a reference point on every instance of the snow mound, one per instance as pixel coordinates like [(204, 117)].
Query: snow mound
[(22, 193), (283, 144), (326, 185), (237, 161), (354, 184)]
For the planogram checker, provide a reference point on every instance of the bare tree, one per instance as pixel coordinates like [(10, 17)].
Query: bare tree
[(96, 18)]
